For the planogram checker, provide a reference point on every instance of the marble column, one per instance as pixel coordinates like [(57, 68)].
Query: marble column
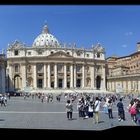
[(0, 79), (75, 76), (11, 81), (103, 79), (45, 76), (110, 87), (65, 76), (71, 76), (49, 74), (139, 86), (92, 77), (55, 75), (83, 76), (24, 80), (124, 86), (35, 77), (129, 86), (3, 79)]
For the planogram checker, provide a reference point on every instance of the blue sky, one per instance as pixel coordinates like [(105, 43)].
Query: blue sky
[(115, 27)]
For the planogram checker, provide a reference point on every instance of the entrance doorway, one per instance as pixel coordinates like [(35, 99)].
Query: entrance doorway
[(52, 84), (40, 83), (68, 84), (78, 83), (60, 83), (98, 82)]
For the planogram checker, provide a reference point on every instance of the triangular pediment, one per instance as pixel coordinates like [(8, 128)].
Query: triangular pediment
[(60, 54), (16, 45)]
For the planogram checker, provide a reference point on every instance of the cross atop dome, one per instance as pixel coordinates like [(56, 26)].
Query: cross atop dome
[(45, 28)]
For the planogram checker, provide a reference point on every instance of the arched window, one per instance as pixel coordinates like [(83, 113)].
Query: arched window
[(16, 67), (98, 55)]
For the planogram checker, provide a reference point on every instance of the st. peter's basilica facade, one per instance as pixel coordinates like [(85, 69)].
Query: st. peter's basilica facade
[(47, 64)]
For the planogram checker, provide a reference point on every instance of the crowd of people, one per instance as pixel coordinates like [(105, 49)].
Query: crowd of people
[(89, 105)]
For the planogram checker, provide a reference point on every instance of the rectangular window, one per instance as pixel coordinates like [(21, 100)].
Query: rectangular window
[(78, 68), (16, 68), (40, 53), (87, 55), (16, 52), (40, 68), (29, 53), (52, 68), (60, 67), (68, 68), (98, 55)]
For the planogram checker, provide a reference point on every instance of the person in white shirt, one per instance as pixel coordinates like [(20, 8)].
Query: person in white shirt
[(90, 109), (97, 109)]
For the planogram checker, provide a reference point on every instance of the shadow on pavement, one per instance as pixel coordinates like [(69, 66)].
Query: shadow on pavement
[(74, 118), (2, 120), (101, 121)]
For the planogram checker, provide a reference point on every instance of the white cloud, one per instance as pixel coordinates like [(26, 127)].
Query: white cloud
[(128, 33), (124, 46)]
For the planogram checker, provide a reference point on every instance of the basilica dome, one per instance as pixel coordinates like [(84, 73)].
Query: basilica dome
[(45, 39)]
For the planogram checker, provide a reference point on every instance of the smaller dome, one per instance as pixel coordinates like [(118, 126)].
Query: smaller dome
[(46, 39)]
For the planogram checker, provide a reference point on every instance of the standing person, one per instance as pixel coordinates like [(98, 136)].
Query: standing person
[(69, 109), (42, 98), (97, 108), (105, 106), (110, 105), (121, 113), (86, 106), (79, 104), (90, 109), (8, 96), (132, 110), (138, 112)]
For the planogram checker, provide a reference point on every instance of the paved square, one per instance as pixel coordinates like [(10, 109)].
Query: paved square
[(33, 114)]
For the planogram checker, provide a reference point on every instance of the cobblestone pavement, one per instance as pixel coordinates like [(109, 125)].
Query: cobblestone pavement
[(33, 114)]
